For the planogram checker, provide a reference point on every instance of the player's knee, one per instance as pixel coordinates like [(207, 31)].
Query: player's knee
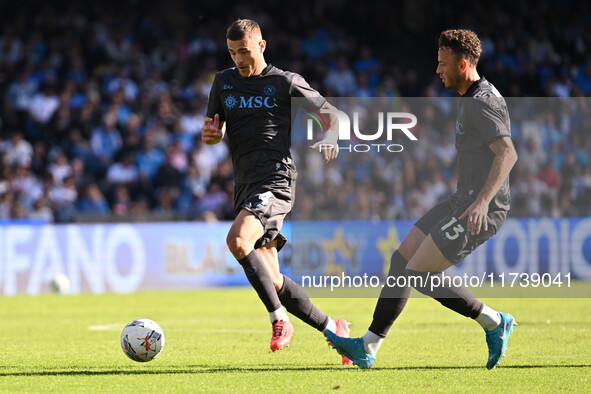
[(405, 251), (277, 281), (411, 243), (239, 246), (397, 264), (418, 279)]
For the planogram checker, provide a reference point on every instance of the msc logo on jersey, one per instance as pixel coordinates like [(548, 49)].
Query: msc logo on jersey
[(250, 102)]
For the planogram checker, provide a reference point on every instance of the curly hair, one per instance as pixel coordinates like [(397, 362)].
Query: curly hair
[(242, 28), (462, 42)]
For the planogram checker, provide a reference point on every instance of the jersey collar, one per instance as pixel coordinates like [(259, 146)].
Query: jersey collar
[(473, 87), (266, 69)]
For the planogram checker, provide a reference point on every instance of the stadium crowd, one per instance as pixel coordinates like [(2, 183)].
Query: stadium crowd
[(102, 104)]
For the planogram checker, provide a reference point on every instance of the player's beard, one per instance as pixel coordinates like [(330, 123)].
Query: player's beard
[(452, 82)]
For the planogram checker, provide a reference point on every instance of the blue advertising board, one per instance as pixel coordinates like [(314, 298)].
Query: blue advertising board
[(130, 257)]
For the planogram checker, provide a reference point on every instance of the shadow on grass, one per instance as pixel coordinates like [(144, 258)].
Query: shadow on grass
[(203, 369)]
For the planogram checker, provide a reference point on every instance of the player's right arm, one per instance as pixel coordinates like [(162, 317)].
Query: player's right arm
[(329, 145), (213, 130)]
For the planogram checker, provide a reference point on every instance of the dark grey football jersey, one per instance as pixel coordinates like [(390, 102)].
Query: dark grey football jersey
[(482, 118), (257, 112)]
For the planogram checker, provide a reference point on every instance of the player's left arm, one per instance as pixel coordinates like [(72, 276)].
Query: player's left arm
[(505, 158)]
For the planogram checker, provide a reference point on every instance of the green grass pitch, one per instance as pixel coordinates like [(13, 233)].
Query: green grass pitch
[(217, 340)]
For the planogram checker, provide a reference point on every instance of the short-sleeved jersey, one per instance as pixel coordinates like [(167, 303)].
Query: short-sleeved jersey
[(482, 118), (257, 112)]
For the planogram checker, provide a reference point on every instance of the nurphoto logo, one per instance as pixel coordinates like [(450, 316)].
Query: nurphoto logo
[(394, 122)]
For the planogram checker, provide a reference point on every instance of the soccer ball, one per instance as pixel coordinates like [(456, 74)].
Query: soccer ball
[(60, 284), (142, 340)]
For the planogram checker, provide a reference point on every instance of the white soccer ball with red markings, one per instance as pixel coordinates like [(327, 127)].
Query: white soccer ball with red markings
[(60, 284), (142, 340)]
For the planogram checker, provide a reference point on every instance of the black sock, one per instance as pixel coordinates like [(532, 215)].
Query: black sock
[(392, 299), (259, 278), (456, 298), (297, 302)]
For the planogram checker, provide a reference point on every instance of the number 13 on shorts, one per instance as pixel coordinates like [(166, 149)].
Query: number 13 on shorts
[(456, 230)]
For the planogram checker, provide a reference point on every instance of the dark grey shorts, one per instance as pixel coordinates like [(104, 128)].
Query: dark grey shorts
[(269, 200), (450, 234)]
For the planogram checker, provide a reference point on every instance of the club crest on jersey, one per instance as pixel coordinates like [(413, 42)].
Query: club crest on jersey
[(459, 125), (459, 128), (270, 90)]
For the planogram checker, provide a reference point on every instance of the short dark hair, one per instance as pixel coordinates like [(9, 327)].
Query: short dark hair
[(242, 28), (462, 42)]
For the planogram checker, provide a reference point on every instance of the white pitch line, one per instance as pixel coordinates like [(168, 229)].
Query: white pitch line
[(192, 328), (118, 326), (222, 330), (106, 327)]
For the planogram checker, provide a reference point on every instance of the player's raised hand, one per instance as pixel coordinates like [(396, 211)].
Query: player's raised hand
[(476, 213), (210, 132), (329, 146)]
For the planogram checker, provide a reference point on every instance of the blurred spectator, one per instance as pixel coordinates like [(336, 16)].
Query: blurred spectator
[(212, 201), (106, 139), (121, 201), (368, 65), (63, 200), (582, 186), (20, 151), (341, 79), (150, 158), (93, 201), (583, 78), (124, 84), (60, 168), (123, 171), (26, 186), (6, 202), (192, 121), (81, 177), (535, 190), (42, 107), (166, 200), (41, 210), (446, 151), (19, 96), (532, 155)]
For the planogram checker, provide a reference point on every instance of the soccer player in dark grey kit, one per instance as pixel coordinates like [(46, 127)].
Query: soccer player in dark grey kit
[(252, 102), (451, 230)]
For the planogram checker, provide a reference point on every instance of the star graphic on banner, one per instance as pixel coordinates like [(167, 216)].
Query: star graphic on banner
[(387, 246), (336, 246)]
